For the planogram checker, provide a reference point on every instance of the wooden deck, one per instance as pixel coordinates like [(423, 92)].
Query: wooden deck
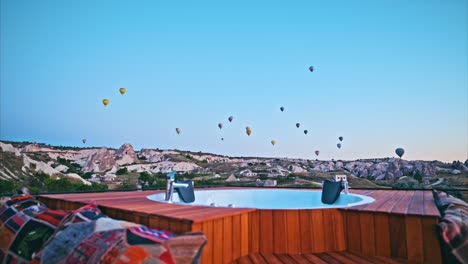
[(337, 257), (398, 225)]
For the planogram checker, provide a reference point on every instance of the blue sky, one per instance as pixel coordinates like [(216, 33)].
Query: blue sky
[(387, 74)]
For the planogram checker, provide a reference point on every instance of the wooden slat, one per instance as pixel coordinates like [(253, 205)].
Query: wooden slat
[(329, 230), (285, 258), (279, 231), (432, 253), (228, 239), (416, 206), (367, 233), (430, 208), (401, 207), (382, 231), (254, 232), (414, 238), (266, 231), (381, 198), (218, 240), (359, 258), (245, 238), (270, 258), (398, 246), (339, 227), (236, 236), (207, 254), (293, 232), (353, 231), (318, 235), (343, 259), (257, 259), (391, 202), (306, 231), (328, 259), (299, 259), (314, 259)]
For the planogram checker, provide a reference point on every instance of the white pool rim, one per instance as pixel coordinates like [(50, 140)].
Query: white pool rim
[(265, 199)]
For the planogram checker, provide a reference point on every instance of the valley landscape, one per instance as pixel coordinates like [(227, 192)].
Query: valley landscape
[(44, 168)]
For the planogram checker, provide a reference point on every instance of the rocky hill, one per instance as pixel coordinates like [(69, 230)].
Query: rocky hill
[(19, 159)]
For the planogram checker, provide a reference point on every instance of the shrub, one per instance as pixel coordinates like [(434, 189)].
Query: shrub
[(122, 171)]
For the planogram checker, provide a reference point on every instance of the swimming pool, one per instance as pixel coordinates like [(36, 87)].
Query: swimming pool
[(266, 199)]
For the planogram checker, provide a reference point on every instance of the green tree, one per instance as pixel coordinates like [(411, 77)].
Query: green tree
[(60, 185), (417, 176), (122, 171), (145, 177), (127, 184), (7, 187)]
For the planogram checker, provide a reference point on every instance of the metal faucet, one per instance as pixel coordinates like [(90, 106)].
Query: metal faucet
[(171, 185), (344, 184)]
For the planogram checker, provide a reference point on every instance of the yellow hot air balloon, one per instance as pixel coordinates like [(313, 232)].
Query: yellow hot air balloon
[(105, 102), (273, 142), (122, 90), (178, 130), (248, 131)]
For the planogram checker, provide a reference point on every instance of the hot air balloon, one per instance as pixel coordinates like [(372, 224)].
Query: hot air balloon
[(178, 130), (298, 125), (282, 109), (220, 125), (122, 90), (248, 131), (84, 141), (105, 102), (317, 152), (231, 118), (305, 132), (273, 142), (340, 138), (400, 152), (222, 138), (338, 145), (311, 68)]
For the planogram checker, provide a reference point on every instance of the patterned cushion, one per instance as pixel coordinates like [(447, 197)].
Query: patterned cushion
[(106, 240), (453, 229), (32, 233), (25, 226)]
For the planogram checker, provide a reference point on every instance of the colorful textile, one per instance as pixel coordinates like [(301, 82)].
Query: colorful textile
[(25, 226), (453, 228), (32, 233), (101, 241)]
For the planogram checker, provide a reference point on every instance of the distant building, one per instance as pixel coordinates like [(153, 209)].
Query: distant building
[(231, 178), (340, 177), (248, 173)]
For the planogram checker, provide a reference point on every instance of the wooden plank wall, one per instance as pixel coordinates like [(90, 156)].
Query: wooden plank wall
[(410, 237), (229, 238), (298, 231)]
